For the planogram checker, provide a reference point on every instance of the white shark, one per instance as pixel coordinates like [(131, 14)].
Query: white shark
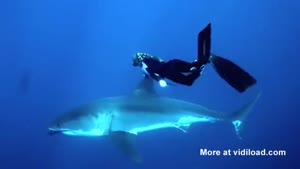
[(123, 117)]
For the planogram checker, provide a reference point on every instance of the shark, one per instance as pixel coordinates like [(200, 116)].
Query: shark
[(122, 118)]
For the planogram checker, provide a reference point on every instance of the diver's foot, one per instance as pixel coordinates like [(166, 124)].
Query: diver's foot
[(195, 63), (193, 69)]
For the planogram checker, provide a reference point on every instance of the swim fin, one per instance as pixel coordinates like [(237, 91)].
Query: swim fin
[(234, 75), (204, 45)]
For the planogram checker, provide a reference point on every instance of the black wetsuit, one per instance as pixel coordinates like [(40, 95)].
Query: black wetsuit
[(174, 69)]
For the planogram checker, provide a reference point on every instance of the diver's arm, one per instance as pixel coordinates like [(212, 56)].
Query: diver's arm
[(155, 76), (148, 72)]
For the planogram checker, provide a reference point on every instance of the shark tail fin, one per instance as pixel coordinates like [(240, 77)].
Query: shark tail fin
[(238, 117)]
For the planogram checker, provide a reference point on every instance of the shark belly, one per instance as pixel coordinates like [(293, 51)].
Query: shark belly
[(90, 133), (136, 123)]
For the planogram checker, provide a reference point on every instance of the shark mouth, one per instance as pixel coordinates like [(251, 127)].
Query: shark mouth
[(54, 132)]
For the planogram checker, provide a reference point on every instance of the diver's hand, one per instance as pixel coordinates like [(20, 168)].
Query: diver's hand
[(162, 83)]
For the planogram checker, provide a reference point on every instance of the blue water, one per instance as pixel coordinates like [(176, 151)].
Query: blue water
[(58, 54)]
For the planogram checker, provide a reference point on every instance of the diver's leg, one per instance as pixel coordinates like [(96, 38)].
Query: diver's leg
[(180, 78), (204, 45), (177, 65), (187, 80)]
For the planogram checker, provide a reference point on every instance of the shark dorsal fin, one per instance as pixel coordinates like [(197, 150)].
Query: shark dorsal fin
[(145, 88)]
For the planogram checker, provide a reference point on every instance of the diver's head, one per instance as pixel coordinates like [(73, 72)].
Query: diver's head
[(138, 59)]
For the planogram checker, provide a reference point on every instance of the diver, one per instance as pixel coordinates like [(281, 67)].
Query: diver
[(176, 70), (186, 73), (173, 69)]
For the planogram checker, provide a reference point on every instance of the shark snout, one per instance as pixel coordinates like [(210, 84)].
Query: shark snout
[(52, 132), (56, 130)]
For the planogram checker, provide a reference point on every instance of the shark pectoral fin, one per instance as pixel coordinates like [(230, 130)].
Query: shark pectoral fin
[(125, 142), (183, 128)]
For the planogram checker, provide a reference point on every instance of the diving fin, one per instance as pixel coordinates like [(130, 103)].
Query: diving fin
[(125, 143), (234, 75), (204, 45)]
